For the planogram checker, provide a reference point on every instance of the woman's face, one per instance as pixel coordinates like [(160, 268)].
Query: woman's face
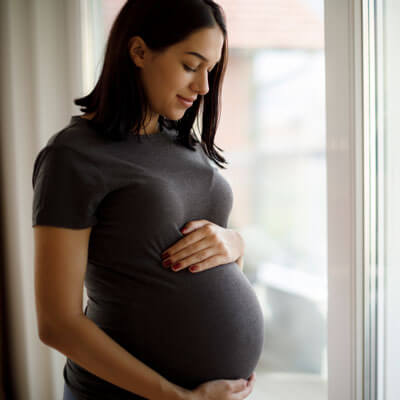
[(175, 72)]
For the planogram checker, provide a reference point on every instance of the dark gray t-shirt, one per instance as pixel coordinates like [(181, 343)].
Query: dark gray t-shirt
[(137, 195)]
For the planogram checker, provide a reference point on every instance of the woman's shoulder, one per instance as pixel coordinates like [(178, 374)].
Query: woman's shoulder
[(77, 135)]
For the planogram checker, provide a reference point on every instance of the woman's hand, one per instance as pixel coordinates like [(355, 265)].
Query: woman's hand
[(223, 389), (205, 245)]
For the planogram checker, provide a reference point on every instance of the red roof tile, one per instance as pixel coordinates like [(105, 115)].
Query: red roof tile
[(282, 24), (272, 24)]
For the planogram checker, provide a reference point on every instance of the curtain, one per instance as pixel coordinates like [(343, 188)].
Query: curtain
[(40, 75)]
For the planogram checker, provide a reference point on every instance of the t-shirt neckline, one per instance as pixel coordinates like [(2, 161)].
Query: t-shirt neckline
[(162, 133)]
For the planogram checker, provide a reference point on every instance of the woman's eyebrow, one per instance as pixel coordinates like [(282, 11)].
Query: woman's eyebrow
[(197, 55)]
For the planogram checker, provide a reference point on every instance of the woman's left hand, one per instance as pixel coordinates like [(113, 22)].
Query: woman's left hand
[(205, 245)]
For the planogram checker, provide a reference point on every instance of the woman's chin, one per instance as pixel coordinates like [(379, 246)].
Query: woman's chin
[(176, 114)]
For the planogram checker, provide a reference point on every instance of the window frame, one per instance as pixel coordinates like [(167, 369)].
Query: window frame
[(345, 195)]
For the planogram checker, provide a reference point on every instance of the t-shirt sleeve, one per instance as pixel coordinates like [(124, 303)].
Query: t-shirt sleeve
[(67, 188)]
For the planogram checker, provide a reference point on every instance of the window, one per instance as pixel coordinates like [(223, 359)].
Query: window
[(276, 147)]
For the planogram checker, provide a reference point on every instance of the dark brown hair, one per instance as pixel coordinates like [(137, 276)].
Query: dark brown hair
[(118, 99)]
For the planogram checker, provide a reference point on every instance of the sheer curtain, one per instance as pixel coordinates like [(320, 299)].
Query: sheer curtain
[(40, 75)]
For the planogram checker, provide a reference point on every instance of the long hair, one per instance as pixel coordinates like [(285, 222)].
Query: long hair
[(119, 99)]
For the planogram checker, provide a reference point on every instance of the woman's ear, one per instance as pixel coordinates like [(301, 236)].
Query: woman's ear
[(137, 49)]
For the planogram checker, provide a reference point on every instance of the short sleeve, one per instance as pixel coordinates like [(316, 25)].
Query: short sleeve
[(67, 188)]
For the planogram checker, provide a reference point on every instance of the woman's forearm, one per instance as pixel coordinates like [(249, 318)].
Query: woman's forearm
[(85, 343)]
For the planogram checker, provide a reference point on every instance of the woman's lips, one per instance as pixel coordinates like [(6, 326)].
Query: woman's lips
[(185, 102)]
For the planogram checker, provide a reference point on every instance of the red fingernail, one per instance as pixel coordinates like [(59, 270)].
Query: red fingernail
[(176, 266), (194, 268)]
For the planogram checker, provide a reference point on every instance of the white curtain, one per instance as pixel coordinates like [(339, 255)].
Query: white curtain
[(40, 75)]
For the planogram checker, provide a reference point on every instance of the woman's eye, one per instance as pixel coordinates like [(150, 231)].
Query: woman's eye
[(193, 70), (188, 69)]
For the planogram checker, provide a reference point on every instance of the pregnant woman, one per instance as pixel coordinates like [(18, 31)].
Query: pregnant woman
[(129, 203)]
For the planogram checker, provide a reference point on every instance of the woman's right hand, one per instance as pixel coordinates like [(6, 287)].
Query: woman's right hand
[(224, 389)]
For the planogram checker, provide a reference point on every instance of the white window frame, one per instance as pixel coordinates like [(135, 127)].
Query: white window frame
[(345, 194)]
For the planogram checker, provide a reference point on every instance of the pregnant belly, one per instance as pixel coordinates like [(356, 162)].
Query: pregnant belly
[(190, 328)]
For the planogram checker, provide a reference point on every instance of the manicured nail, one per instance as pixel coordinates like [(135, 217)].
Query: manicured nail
[(176, 266), (164, 255), (193, 268), (166, 263)]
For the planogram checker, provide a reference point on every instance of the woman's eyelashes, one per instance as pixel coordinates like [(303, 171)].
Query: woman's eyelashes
[(190, 69)]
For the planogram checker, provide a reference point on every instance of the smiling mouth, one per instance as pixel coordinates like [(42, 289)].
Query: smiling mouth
[(185, 102), (188, 99)]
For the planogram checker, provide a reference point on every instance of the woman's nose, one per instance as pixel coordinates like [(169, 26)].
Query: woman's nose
[(201, 84)]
